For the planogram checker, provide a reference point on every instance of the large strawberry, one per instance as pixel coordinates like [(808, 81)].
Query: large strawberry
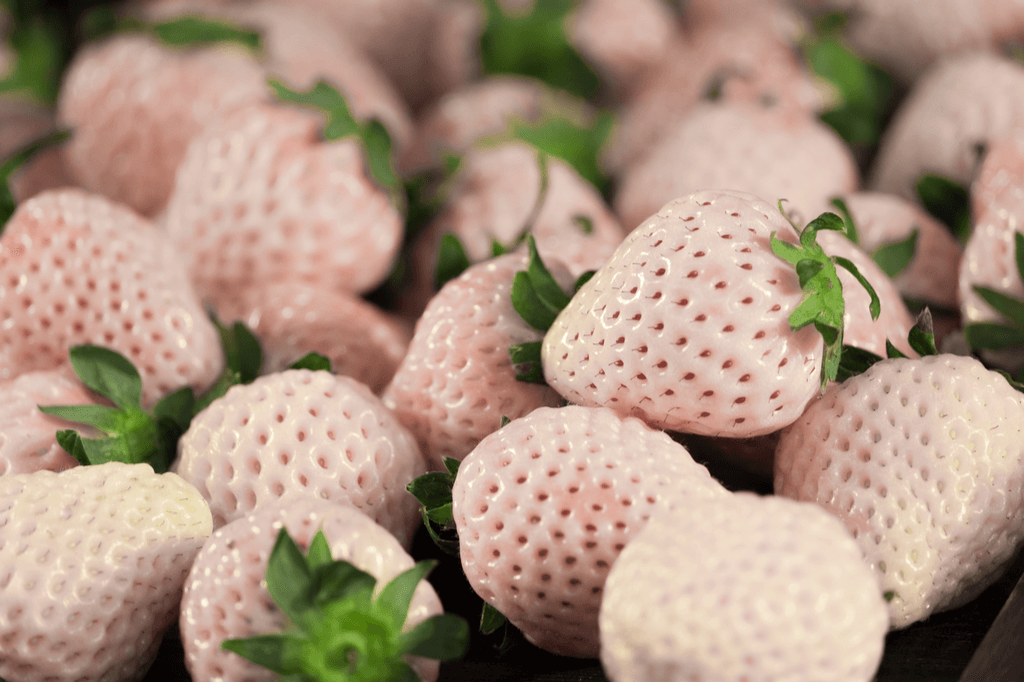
[(226, 594), (742, 588), (921, 459), (77, 268), (93, 562), (688, 325), (303, 430), (544, 506)]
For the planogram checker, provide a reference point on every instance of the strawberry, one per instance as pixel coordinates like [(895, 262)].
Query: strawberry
[(742, 588), (302, 430), (692, 324), (260, 198), (748, 147), (92, 564), (291, 319), (77, 268), (135, 104), (921, 460), (457, 380), (498, 194), (27, 434), (21, 124), (226, 594), (910, 245), (950, 115), (544, 506)]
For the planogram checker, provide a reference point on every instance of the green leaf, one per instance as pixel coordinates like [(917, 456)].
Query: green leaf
[(505, 420), (889, 595), (109, 374), (527, 360), (894, 258), (584, 223), (193, 30), (39, 57), (176, 407), (433, 489), (15, 161), (583, 279), (535, 44), (491, 619), (854, 361), (103, 417), (1018, 254), (276, 651), (312, 361), (544, 284), (444, 637), (535, 294), (289, 577), (993, 336), (578, 144), (892, 352), (497, 248), (807, 270), (1006, 305), (844, 211), (396, 596), (875, 304), (70, 441), (319, 553), (452, 260), (243, 359), (446, 538), (922, 335), (338, 580), (947, 201)]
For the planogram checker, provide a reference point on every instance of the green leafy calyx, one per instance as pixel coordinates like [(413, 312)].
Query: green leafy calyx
[(434, 492), (339, 631), (1007, 334)]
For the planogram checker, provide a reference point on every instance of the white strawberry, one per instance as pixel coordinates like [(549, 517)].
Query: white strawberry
[(922, 460), (92, 564)]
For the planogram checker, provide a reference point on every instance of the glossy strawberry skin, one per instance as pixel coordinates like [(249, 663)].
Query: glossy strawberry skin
[(225, 594), (545, 505), (687, 325), (77, 268), (742, 588), (92, 564), (921, 459), (303, 430)]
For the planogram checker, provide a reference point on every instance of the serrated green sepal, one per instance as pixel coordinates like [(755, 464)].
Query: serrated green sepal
[(894, 258), (372, 135), (243, 359), (526, 359), (948, 201), (996, 336), (491, 619), (434, 492), (536, 295)]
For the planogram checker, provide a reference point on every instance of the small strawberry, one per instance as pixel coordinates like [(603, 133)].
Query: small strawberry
[(697, 325), (27, 434), (135, 104), (226, 595), (291, 319), (92, 564), (921, 459), (302, 430), (742, 588), (457, 380), (950, 115), (544, 506), (261, 197), (77, 268), (767, 152)]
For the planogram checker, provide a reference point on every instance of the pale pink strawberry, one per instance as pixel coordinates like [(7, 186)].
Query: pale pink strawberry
[(765, 151), (27, 435), (457, 381), (260, 198), (921, 459), (907, 37), (742, 588), (303, 430), (749, 61), (949, 117), (687, 325), (894, 320), (226, 596), (884, 219), (77, 268), (1001, 170), (92, 565), (292, 319), (485, 107), (301, 46), (495, 198), (135, 104), (545, 505)]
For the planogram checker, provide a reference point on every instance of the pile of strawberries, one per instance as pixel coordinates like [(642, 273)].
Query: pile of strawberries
[(507, 273)]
